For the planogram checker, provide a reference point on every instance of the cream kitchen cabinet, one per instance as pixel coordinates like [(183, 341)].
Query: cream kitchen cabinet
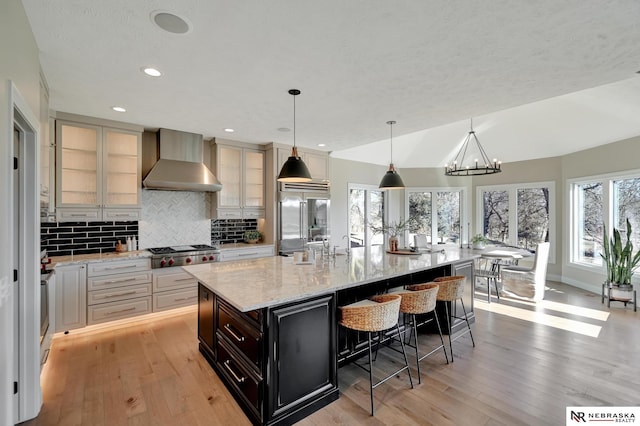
[(71, 297), (317, 162), (118, 289), (246, 252), (173, 288), (97, 172), (241, 172)]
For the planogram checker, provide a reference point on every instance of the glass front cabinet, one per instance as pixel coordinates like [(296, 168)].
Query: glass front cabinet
[(98, 173)]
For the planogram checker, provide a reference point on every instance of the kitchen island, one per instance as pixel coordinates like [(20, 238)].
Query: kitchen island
[(269, 326)]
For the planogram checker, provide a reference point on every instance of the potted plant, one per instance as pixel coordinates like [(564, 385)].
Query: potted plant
[(620, 261), (252, 237), (479, 241), (392, 230)]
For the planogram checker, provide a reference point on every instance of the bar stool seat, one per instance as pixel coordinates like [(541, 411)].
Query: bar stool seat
[(419, 299), (452, 289), (377, 314)]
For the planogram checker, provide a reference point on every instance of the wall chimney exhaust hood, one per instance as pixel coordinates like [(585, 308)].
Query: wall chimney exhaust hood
[(180, 167)]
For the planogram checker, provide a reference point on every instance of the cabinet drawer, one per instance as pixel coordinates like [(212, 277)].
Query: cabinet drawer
[(116, 215), (246, 253), (118, 310), (239, 375), (174, 299), (172, 279), (223, 213), (118, 267), (117, 294), (251, 213), (240, 334), (118, 280), (77, 215)]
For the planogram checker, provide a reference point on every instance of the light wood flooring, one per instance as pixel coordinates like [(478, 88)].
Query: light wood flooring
[(523, 370)]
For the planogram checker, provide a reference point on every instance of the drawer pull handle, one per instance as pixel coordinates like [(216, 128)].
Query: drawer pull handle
[(120, 294), (185, 298), (229, 328), (120, 267), (184, 279), (121, 281), (120, 311), (233, 373), (246, 254)]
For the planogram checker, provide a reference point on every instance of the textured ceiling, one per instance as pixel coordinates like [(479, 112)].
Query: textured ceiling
[(429, 65)]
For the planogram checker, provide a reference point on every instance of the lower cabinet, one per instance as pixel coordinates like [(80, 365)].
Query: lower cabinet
[(279, 363), (248, 252), (173, 288), (71, 297)]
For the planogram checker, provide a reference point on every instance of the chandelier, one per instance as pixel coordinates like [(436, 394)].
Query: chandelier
[(461, 165)]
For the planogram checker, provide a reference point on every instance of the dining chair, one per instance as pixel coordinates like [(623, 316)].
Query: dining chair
[(488, 269), (527, 282)]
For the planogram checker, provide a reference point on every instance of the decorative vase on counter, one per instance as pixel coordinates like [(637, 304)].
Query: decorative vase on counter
[(393, 243)]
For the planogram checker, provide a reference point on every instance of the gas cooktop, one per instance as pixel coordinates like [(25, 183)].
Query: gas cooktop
[(181, 249)]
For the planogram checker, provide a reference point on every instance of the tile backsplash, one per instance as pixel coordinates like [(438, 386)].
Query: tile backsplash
[(231, 230), (174, 218), (66, 238)]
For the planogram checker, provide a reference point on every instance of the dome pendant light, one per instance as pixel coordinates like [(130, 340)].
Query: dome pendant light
[(294, 169), (391, 179)]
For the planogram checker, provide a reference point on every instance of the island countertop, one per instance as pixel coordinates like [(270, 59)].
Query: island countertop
[(270, 281)]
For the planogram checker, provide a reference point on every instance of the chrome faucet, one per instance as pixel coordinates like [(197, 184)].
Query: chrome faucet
[(348, 246)]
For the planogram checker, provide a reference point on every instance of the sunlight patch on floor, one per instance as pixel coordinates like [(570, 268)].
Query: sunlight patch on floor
[(540, 318)]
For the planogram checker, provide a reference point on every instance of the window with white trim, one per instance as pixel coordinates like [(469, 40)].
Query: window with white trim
[(606, 199), (519, 215), (445, 225), (366, 208)]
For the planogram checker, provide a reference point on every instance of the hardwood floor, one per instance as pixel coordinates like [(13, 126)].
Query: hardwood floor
[(520, 372)]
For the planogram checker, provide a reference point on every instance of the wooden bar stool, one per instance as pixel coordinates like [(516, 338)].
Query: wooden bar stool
[(377, 314), (452, 289), (421, 299)]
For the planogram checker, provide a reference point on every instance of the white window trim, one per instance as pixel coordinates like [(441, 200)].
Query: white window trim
[(464, 209), (512, 189), (366, 187), (607, 197)]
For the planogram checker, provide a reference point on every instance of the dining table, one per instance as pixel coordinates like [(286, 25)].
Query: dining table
[(504, 256)]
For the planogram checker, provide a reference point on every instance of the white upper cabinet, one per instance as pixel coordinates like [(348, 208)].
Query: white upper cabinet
[(317, 162), (241, 172), (98, 172)]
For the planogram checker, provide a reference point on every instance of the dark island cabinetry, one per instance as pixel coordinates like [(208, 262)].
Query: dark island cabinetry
[(280, 362)]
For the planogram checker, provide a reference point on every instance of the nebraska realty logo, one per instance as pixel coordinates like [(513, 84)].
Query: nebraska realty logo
[(580, 415)]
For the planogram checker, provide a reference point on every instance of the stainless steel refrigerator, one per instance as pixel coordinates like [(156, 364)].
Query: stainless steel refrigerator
[(304, 218)]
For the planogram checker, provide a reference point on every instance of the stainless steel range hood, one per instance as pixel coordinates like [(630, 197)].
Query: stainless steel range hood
[(180, 167)]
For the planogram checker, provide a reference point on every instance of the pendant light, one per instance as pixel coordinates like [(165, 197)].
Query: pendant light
[(294, 169), (391, 179), (458, 167)]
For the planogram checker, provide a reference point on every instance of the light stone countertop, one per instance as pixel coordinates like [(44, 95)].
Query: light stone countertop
[(258, 283), (96, 257), (237, 246)]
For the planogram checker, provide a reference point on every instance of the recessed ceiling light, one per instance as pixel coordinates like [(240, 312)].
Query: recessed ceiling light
[(119, 109), (322, 144), (151, 72), (228, 130), (284, 129), (170, 22)]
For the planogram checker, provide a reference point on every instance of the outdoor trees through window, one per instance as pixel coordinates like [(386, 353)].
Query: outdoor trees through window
[(447, 205)]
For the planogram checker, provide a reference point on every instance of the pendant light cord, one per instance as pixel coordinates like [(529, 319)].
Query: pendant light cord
[(391, 123), (294, 121)]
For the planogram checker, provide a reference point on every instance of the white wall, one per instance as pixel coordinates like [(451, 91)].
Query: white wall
[(20, 64)]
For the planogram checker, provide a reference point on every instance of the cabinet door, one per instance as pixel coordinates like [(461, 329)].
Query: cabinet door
[(302, 337), (253, 195), (121, 161), (317, 164), (229, 169), (71, 297), (78, 165)]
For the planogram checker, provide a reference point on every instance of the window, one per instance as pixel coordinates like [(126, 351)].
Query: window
[(518, 215), (442, 227), (609, 199), (366, 206)]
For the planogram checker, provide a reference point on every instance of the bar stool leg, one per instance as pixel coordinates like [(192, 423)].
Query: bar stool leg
[(446, 311), (415, 328), (467, 320), (370, 373), (435, 314), (404, 354)]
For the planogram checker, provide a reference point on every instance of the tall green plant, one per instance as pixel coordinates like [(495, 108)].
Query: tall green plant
[(620, 261)]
